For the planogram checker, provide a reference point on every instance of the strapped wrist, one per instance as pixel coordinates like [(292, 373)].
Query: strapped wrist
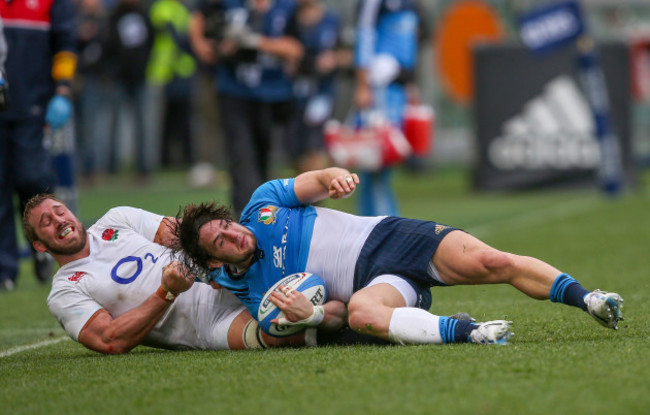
[(165, 294), (314, 320), (316, 317)]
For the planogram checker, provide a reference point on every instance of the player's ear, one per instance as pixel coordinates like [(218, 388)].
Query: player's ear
[(38, 246)]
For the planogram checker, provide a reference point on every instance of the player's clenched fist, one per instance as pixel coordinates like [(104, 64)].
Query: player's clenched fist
[(343, 186), (176, 279)]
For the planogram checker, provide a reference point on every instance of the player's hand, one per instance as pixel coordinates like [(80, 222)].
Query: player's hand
[(343, 186), (176, 279), (294, 304)]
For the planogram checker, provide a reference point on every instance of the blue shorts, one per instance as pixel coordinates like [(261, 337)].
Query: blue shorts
[(401, 247)]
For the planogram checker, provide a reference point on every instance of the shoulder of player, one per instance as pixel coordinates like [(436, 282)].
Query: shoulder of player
[(116, 216)]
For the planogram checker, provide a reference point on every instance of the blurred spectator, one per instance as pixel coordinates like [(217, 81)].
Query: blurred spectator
[(251, 42), (172, 67), (387, 31), (318, 31), (40, 65), (127, 51), (91, 87), (3, 80)]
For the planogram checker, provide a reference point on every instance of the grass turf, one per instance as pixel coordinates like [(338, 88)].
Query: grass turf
[(560, 360)]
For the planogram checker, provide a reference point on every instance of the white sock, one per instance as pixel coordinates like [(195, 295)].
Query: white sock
[(410, 325)]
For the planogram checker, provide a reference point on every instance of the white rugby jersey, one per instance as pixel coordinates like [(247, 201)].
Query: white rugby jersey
[(123, 269)]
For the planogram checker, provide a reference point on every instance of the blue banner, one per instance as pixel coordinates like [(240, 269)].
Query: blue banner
[(593, 81), (552, 27)]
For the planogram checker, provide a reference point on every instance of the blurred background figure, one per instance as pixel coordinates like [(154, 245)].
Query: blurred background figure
[(385, 58), (91, 89), (318, 32), (172, 67), (4, 103), (40, 66), (251, 43), (127, 51)]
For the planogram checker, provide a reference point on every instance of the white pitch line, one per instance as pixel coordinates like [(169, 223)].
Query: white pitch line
[(560, 211), (38, 345)]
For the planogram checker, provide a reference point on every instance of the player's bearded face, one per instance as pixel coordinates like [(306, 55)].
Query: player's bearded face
[(69, 249), (58, 229), (228, 241)]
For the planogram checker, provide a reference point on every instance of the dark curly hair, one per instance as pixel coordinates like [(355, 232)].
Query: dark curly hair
[(187, 231)]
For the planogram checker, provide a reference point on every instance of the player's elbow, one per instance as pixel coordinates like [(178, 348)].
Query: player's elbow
[(108, 347), (113, 344)]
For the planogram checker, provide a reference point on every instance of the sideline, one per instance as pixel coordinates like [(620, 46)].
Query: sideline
[(32, 346)]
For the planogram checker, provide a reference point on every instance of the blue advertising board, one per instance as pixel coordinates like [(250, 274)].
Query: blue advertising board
[(546, 29), (554, 27)]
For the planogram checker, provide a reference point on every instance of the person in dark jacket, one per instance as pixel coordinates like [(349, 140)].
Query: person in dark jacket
[(40, 64), (127, 51)]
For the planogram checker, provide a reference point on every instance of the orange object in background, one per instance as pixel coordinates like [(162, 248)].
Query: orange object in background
[(419, 128), (462, 24)]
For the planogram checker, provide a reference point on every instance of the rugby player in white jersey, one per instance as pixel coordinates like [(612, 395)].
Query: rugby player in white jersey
[(381, 267), (118, 286)]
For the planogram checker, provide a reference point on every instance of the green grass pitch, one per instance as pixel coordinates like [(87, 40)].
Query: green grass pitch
[(559, 362)]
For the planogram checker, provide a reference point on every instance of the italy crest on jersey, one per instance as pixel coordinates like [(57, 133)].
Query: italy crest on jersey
[(267, 215)]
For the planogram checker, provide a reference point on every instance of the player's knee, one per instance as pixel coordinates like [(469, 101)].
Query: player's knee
[(499, 265), (362, 317)]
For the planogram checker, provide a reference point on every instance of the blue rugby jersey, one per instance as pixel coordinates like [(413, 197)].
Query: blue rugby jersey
[(283, 227)]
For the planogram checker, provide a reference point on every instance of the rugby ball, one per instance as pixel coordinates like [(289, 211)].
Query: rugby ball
[(310, 285)]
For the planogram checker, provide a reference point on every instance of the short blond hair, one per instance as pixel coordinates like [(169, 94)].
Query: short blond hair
[(35, 201)]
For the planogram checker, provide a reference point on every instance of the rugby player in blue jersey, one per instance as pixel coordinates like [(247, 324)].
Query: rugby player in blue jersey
[(382, 267)]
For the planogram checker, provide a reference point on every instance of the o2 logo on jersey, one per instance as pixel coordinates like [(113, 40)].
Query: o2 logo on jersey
[(127, 264)]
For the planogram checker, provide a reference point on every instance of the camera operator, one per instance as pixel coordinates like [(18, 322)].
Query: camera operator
[(252, 45)]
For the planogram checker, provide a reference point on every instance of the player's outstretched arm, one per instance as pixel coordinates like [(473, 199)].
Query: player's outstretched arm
[(316, 185), (109, 335)]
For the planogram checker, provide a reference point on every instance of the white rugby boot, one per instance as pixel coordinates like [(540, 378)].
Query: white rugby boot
[(605, 308), (492, 332)]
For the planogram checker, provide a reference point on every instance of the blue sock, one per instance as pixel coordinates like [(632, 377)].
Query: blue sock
[(455, 331), (568, 291)]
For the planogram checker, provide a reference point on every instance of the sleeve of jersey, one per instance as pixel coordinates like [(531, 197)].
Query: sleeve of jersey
[(240, 289), (366, 32), (71, 308), (276, 192), (141, 221)]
